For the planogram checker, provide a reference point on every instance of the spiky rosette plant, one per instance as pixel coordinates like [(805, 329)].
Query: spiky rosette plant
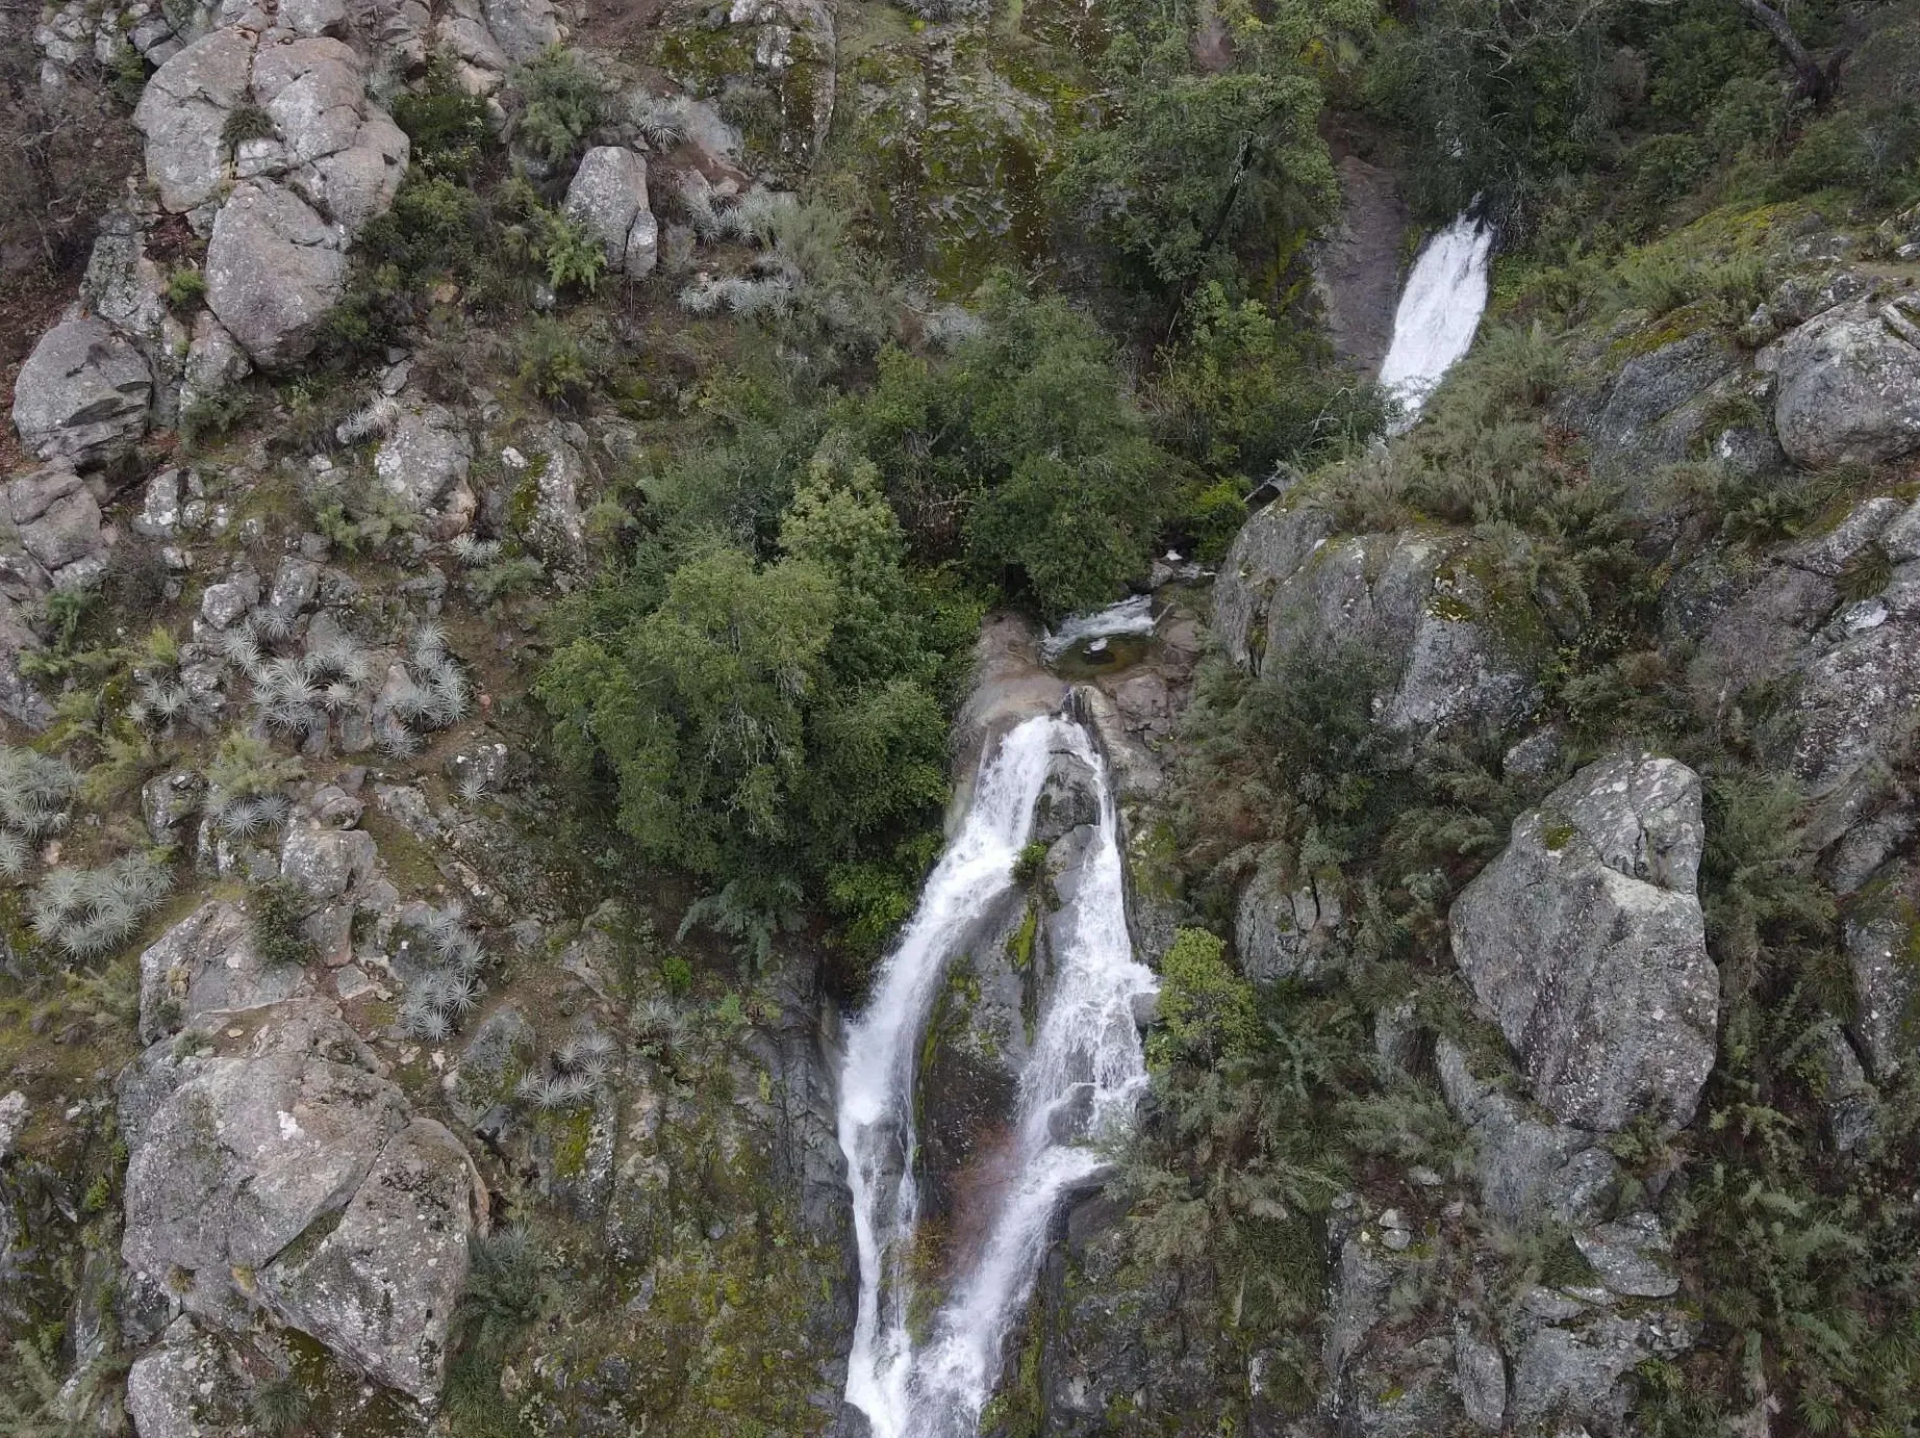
[(36, 792), (88, 913)]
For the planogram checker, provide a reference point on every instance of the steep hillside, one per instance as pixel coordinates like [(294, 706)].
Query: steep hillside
[(526, 528)]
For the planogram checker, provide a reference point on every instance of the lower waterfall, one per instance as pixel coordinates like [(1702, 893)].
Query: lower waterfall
[(1081, 1082)]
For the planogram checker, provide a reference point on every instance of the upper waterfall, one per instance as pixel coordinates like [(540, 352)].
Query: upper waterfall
[(1439, 310)]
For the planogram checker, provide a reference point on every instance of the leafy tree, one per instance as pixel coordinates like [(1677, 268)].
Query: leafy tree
[(1022, 454), (1239, 393), (699, 707), (1196, 163)]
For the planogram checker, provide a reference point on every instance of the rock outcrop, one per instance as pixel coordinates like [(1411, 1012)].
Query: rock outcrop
[(1452, 651), (608, 198), (270, 145), (1847, 384), (279, 1167), (83, 395), (1585, 942)]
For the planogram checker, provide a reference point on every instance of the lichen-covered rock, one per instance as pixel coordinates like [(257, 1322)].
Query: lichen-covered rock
[(186, 1387), (1585, 941), (1270, 546), (183, 112), (1848, 384), (1659, 405), (1847, 667), (345, 155), (274, 269), (423, 463), (1580, 1372), (1878, 932), (1451, 650), (205, 966), (254, 1148), (558, 528), (608, 198), (83, 395), (50, 514), (1529, 1171), (1480, 1377), (1632, 1256), (380, 1289)]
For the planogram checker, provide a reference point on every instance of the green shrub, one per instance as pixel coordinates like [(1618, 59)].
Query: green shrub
[(560, 102), (276, 911), (554, 363), (449, 127), (279, 1405), (1238, 395), (246, 121), (1207, 1008), (186, 288), (573, 257), (1030, 865)]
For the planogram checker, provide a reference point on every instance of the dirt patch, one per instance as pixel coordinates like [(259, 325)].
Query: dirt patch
[(621, 25)]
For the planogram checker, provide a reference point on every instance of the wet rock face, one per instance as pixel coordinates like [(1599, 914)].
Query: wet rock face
[(83, 395), (1848, 384), (1586, 943)]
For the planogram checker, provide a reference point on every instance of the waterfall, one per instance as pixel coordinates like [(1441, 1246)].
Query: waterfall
[(1081, 1082), (1438, 312)]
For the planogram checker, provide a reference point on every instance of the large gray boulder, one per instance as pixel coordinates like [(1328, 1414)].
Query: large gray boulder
[(1848, 384), (1270, 547), (279, 1169), (183, 113), (208, 965), (253, 1149), (380, 1289), (274, 269), (1585, 942), (1452, 650), (83, 394), (1530, 1171), (608, 197), (1284, 929), (345, 154), (1841, 667), (50, 531), (186, 1386)]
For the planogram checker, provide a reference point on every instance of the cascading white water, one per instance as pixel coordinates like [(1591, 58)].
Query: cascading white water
[(1438, 312), (1082, 1080)]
